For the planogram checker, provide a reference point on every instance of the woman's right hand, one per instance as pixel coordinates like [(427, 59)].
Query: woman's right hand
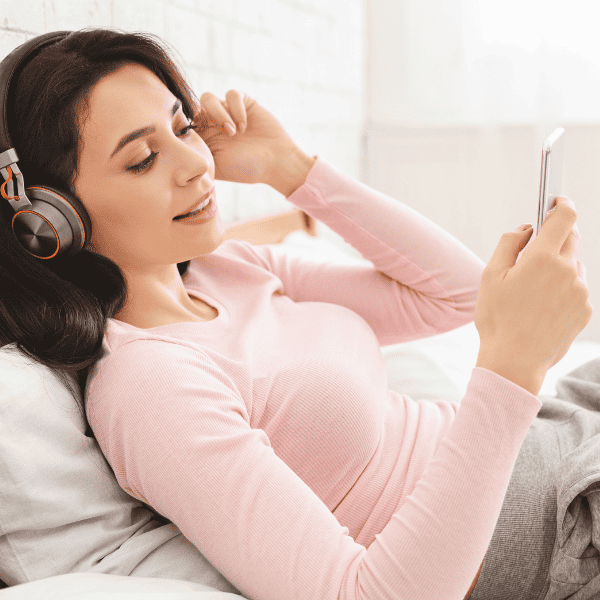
[(529, 312)]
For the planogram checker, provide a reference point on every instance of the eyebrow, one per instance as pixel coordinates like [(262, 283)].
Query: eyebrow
[(134, 135)]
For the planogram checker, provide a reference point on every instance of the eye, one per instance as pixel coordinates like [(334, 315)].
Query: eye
[(144, 165), (147, 162), (187, 129)]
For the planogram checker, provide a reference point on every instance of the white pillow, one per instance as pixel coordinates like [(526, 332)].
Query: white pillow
[(61, 508), (434, 368), (416, 374), (95, 586), (444, 363)]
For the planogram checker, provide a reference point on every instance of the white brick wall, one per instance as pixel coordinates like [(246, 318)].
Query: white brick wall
[(301, 59)]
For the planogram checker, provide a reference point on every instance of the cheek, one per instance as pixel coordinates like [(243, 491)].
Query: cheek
[(104, 202)]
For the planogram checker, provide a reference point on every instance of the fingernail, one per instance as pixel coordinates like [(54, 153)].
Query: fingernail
[(230, 128), (524, 227)]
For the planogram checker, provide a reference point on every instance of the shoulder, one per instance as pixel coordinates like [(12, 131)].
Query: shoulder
[(135, 360)]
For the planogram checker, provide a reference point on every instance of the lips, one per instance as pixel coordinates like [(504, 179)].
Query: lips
[(197, 203)]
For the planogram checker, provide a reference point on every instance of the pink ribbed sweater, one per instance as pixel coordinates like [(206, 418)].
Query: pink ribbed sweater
[(268, 434)]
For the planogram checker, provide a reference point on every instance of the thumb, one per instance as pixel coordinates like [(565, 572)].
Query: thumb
[(510, 245)]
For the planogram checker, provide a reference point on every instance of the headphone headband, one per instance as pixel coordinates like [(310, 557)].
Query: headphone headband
[(10, 67), (54, 222)]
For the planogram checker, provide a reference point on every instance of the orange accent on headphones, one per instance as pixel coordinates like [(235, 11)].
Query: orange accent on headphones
[(84, 240), (50, 224), (10, 174)]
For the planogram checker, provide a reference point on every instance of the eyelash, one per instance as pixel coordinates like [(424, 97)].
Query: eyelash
[(147, 162)]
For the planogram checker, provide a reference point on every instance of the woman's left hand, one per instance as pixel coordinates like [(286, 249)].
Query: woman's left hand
[(259, 146)]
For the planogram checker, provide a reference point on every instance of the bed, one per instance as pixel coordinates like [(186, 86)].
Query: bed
[(438, 367)]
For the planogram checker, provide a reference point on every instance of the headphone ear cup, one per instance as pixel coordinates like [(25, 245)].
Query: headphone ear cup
[(55, 224)]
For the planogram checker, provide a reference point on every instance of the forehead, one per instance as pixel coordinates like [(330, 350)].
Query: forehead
[(125, 100)]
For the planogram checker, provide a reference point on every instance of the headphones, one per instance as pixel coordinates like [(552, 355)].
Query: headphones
[(48, 222)]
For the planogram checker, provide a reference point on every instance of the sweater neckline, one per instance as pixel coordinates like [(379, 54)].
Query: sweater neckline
[(222, 316)]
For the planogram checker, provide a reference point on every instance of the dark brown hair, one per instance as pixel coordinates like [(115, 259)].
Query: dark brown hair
[(55, 310)]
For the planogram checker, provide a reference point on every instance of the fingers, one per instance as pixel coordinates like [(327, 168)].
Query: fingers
[(226, 113), (235, 101), (557, 230), (216, 112), (582, 271), (570, 249)]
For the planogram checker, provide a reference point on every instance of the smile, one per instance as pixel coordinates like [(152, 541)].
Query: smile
[(202, 203), (202, 212), (200, 207)]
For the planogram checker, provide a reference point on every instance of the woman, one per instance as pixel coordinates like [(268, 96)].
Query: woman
[(240, 392)]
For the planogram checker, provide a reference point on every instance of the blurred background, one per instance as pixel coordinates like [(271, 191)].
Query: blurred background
[(440, 104)]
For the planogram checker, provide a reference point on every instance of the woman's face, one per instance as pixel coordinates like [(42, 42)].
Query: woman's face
[(131, 193)]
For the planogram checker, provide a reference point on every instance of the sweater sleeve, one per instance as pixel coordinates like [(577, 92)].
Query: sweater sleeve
[(177, 434), (423, 282)]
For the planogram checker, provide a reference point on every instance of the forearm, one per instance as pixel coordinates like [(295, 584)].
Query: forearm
[(291, 172)]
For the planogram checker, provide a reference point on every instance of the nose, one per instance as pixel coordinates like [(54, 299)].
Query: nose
[(189, 163)]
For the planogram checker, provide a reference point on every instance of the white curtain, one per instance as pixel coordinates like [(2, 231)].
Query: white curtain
[(490, 63)]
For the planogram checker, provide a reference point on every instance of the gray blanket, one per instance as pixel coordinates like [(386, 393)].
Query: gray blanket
[(546, 545)]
